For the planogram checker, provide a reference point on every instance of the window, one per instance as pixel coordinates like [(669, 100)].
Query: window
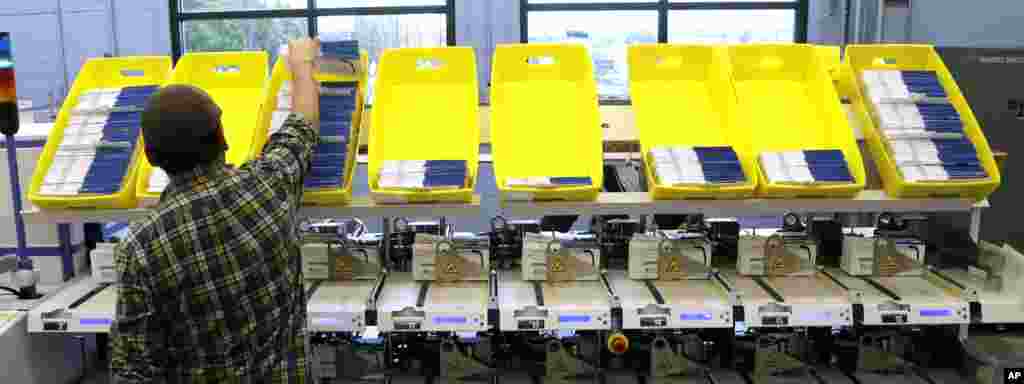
[(608, 27), (377, 32), (606, 35), (232, 25), (241, 34)]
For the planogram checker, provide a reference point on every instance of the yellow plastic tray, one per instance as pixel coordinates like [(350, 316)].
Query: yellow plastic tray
[(786, 96), (425, 108), (683, 95), (236, 82), (319, 196), (545, 120), (916, 57), (99, 73)]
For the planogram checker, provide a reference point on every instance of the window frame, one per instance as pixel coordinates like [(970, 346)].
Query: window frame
[(311, 13), (800, 7), (664, 7)]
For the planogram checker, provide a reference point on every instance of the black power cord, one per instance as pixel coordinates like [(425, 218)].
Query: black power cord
[(20, 294)]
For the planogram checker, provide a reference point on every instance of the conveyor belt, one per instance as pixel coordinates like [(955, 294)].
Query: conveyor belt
[(92, 293), (868, 291), (817, 289), (103, 301), (910, 288), (84, 306), (750, 291), (995, 304), (655, 293), (905, 299), (338, 306), (408, 305), (570, 305), (682, 303), (810, 300)]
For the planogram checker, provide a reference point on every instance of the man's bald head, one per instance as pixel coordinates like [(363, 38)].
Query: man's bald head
[(182, 129)]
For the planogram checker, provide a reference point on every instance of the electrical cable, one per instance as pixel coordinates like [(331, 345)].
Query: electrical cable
[(11, 291)]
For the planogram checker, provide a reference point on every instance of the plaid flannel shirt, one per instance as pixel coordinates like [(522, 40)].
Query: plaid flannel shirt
[(211, 288)]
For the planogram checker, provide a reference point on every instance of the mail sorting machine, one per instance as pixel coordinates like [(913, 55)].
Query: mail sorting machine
[(426, 316), (794, 321), (784, 307), (903, 307), (676, 312), (684, 320), (343, 276), (555, 309), (670, 315)]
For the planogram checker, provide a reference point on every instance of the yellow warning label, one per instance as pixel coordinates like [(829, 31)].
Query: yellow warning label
[(451, 269), (557, 266), (674, 266)]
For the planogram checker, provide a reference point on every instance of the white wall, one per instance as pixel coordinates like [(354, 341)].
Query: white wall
[(52, 38), (988, 23)]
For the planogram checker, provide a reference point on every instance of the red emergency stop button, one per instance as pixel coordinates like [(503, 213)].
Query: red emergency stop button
[(618, 343)]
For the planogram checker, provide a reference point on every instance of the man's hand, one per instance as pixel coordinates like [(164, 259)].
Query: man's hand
[(301, 54), (305, 89)]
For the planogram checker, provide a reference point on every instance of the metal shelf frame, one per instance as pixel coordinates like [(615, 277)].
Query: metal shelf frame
[(627, 203), (361, 206), (640, 203)]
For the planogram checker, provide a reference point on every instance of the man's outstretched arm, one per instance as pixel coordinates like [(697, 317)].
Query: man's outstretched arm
[(288, 152)]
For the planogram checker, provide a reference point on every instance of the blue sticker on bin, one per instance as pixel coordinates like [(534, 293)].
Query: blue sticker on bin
[(828, 166), (923, 82), (444, 173), (568, 181), (720, 165)]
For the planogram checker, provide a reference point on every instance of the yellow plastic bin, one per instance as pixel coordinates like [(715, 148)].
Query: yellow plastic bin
[(786, 96), (683, 95), (99, 73), (281, 73), (425, 108), (545, 120), (830, 56), (236, 81), (917, 57)]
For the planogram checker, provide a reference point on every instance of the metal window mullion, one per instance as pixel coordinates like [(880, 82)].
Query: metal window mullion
[(802, 19), (238, 15), (450, 22), (176, 49), (649, 6), (663, 21), (311, 20), (311, 13), (524, 28), (737, 5), (380, 11)]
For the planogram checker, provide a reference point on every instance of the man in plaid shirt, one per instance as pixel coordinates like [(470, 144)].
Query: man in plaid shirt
[(211, 288)]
